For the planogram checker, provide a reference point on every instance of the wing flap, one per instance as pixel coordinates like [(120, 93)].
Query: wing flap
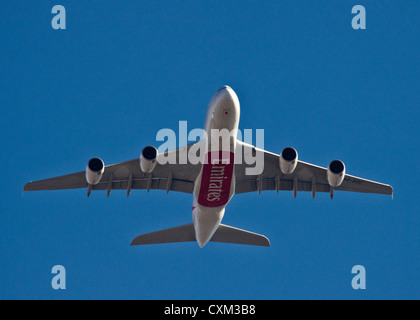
[(157, 184), (350, 183)]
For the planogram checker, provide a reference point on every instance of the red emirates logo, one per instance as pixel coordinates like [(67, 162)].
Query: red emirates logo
[(216, 179)]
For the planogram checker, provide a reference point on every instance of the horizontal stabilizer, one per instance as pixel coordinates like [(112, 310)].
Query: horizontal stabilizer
[(185, 233), (229, 234)]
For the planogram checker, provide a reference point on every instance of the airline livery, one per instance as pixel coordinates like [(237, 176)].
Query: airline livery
[(220, 172)]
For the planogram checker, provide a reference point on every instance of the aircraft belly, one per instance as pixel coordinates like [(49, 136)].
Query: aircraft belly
[(215, 187)]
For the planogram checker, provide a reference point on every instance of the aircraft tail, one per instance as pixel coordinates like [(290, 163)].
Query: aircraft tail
[(185, 233)]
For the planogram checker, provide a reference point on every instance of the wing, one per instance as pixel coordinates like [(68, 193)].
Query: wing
[(306, 177), (128, 175)]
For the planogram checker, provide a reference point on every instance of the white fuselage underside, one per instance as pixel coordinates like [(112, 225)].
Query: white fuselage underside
[(215, 185)]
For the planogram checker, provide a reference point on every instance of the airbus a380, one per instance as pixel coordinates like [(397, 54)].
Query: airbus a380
[(212, 182)]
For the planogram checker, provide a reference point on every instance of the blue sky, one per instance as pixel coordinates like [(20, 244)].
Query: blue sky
[(122, 70)]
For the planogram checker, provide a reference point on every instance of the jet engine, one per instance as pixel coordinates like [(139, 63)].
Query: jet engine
[(148, 159), (336, 172), (288, 160), (94, 170)]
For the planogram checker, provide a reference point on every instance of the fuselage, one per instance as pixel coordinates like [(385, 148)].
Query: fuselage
[(215, 185)]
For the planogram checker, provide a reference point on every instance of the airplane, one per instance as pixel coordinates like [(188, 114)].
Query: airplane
[(212, 181)]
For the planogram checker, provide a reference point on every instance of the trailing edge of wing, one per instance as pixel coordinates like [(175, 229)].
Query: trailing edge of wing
[(186, 233)]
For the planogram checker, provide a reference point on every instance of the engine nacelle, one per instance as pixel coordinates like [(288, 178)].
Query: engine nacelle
[(288, 160), (148, 159), (336, 172), (94, 170)]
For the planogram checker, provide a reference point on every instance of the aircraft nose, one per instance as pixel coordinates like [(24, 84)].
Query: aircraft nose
[(225, 91), (227, 96), (224, 88)]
